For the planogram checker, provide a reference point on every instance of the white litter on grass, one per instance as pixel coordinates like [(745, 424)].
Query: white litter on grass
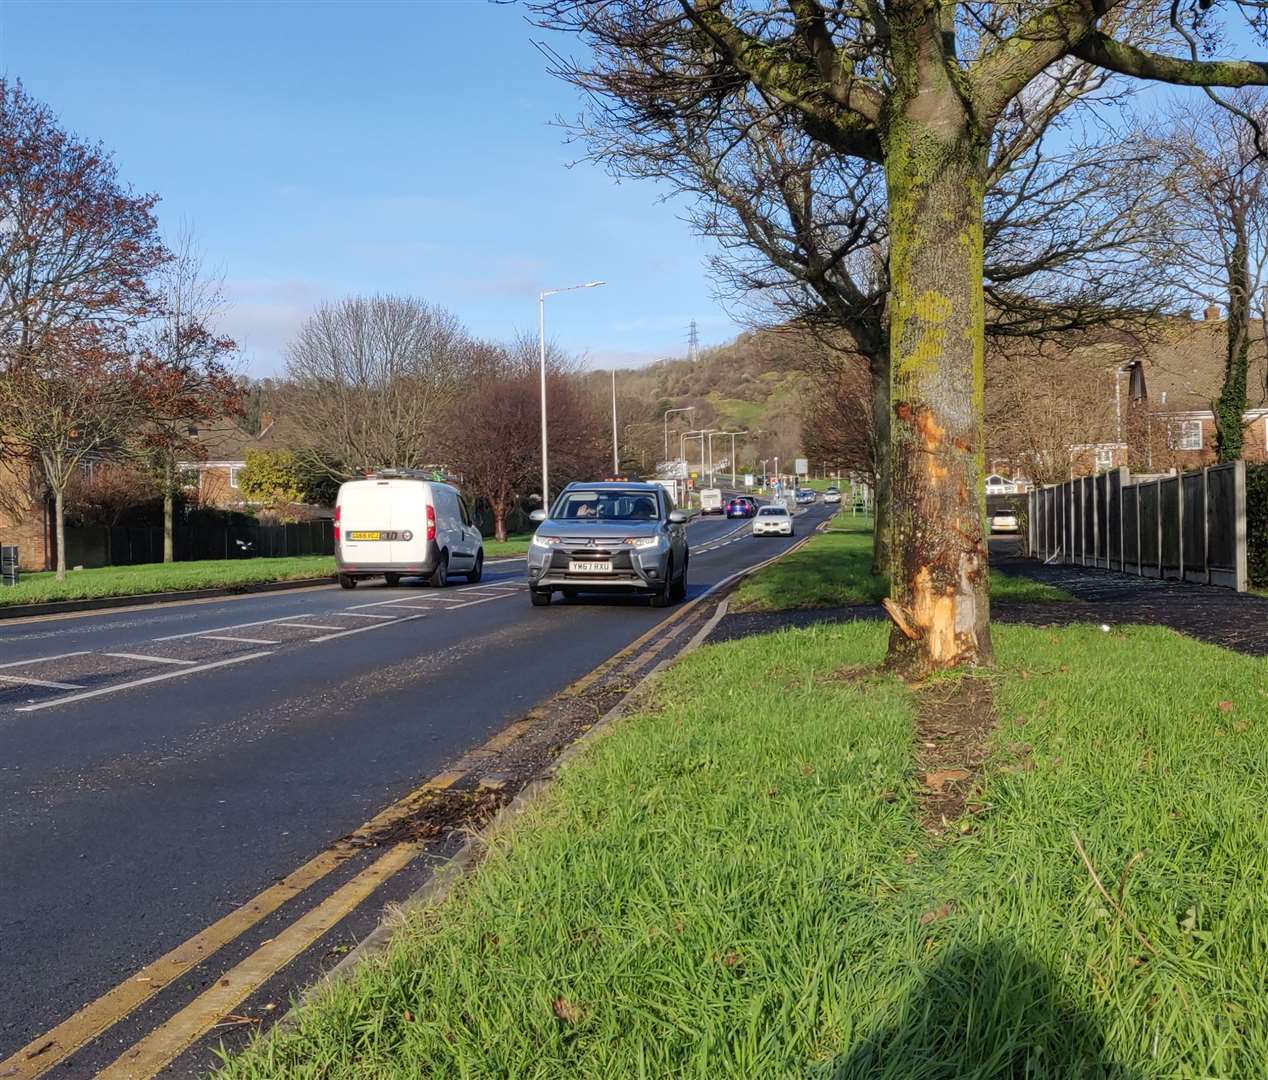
[(1105, 627)]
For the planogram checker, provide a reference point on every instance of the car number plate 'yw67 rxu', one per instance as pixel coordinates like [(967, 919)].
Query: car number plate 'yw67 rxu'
[(590, 566)]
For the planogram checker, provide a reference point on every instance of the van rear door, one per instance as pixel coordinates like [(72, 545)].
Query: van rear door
[(409, 515), (367, 521)]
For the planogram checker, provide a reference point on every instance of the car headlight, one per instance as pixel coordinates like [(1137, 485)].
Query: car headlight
[(543, 542), (643, 541)]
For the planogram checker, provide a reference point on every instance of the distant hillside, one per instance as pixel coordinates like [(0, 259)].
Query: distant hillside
[(756, 383)]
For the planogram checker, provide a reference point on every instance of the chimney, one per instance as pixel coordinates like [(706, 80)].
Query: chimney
[(1211, 313)]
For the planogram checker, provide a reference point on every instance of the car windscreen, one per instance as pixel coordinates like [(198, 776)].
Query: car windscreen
[(605, 505), (772, 511)]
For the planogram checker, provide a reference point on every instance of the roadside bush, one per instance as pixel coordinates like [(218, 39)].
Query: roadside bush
[(1257, 524)]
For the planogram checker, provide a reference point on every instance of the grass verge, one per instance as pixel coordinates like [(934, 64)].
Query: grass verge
[(163, 577), (734, 883), (515, 544), (835, 569)]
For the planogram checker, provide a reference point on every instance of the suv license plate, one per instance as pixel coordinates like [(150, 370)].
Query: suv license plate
[(589, 566)]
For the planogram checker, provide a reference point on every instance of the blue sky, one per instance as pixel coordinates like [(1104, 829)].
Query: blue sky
[(320, 150)]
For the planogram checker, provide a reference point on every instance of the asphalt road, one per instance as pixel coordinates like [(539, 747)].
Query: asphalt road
[(162, 765)]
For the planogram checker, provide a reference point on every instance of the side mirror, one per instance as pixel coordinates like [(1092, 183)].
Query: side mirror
[(677, 517), (537, 515)]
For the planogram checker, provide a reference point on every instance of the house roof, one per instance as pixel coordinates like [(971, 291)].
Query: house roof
[(224, 440), (1185, 369)]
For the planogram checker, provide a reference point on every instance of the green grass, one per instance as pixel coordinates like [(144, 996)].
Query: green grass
[(835, 568), (734, 883), (161, 577), (514, 544)]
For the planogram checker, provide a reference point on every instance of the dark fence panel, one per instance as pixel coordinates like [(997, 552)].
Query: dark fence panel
[(1150, 532), (120, 546), (1193, 525), (1190, 526)]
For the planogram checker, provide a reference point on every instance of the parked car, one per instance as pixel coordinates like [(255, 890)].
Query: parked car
[(395, 524), (1003, 521), (773, 520), (711, 501), (741, 507), (609, 538), (832, 495)]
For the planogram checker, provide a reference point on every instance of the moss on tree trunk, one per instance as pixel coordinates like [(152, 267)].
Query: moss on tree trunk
[(939, 586), (881, 495)]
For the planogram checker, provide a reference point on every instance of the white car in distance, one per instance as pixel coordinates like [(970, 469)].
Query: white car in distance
[(773, 520), (832, 495)]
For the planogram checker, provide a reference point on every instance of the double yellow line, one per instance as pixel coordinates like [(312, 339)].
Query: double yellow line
[(162, 1045)]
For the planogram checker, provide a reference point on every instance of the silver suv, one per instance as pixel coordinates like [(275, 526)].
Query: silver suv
[(609, 538)]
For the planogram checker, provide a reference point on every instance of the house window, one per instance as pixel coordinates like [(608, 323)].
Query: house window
[(233, 476), (1186, 435), (1104, 458)]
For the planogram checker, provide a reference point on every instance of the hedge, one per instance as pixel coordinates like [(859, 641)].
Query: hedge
[(1257, 524)]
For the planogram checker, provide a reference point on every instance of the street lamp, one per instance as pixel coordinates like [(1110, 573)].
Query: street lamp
[(686, 408), (711, 434), (733, 434), (541, 341), (616, 457)]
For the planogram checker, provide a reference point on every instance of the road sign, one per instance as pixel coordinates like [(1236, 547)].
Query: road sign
[(672, 470), (801, 466), (748, 479)]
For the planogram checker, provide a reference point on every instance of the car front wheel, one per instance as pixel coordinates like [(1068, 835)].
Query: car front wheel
[(540, 597), (477, 571)]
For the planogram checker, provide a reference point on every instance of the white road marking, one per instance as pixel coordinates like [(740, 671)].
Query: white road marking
[(246, 640), (44, 659), (383, 603), (40, 682), (151, 659), (219, 629), (365, 615), (482, 600), (67, 699), (306, 626), (363, 629)]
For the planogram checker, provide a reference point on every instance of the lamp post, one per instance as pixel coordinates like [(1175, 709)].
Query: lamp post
[(541, 343), (711, 434), (616, 457), (733, 434), (685, 408)]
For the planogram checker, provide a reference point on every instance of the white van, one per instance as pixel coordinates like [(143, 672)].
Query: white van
[(711, 501), (396, 524)]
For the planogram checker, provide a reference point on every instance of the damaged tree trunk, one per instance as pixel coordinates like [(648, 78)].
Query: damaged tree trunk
[(939, 599), (1230, 409)]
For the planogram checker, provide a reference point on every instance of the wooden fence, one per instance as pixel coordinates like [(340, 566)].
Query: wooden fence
[(1189, 526)]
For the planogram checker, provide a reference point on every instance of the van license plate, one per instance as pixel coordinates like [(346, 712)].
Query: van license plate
[(589, 566), (365, 536)]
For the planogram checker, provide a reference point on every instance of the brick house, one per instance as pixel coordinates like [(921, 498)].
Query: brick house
[(26, 516), (1183, 376), (226, 446), (1102, 404)]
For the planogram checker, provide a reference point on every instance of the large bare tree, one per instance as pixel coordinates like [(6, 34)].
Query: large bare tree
[(371, 378), (803, 233), (919, 88), (185, 378), (1208, 163)]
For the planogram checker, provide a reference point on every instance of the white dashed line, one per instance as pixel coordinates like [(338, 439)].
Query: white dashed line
[(150, 659), (69, 698), (306, 626), (365, 615), (40, 682), (44, 659), (219, 629), (245, 640), (363, 629)]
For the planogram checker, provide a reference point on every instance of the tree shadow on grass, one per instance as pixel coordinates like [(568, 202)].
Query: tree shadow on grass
[(985, 1013)]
